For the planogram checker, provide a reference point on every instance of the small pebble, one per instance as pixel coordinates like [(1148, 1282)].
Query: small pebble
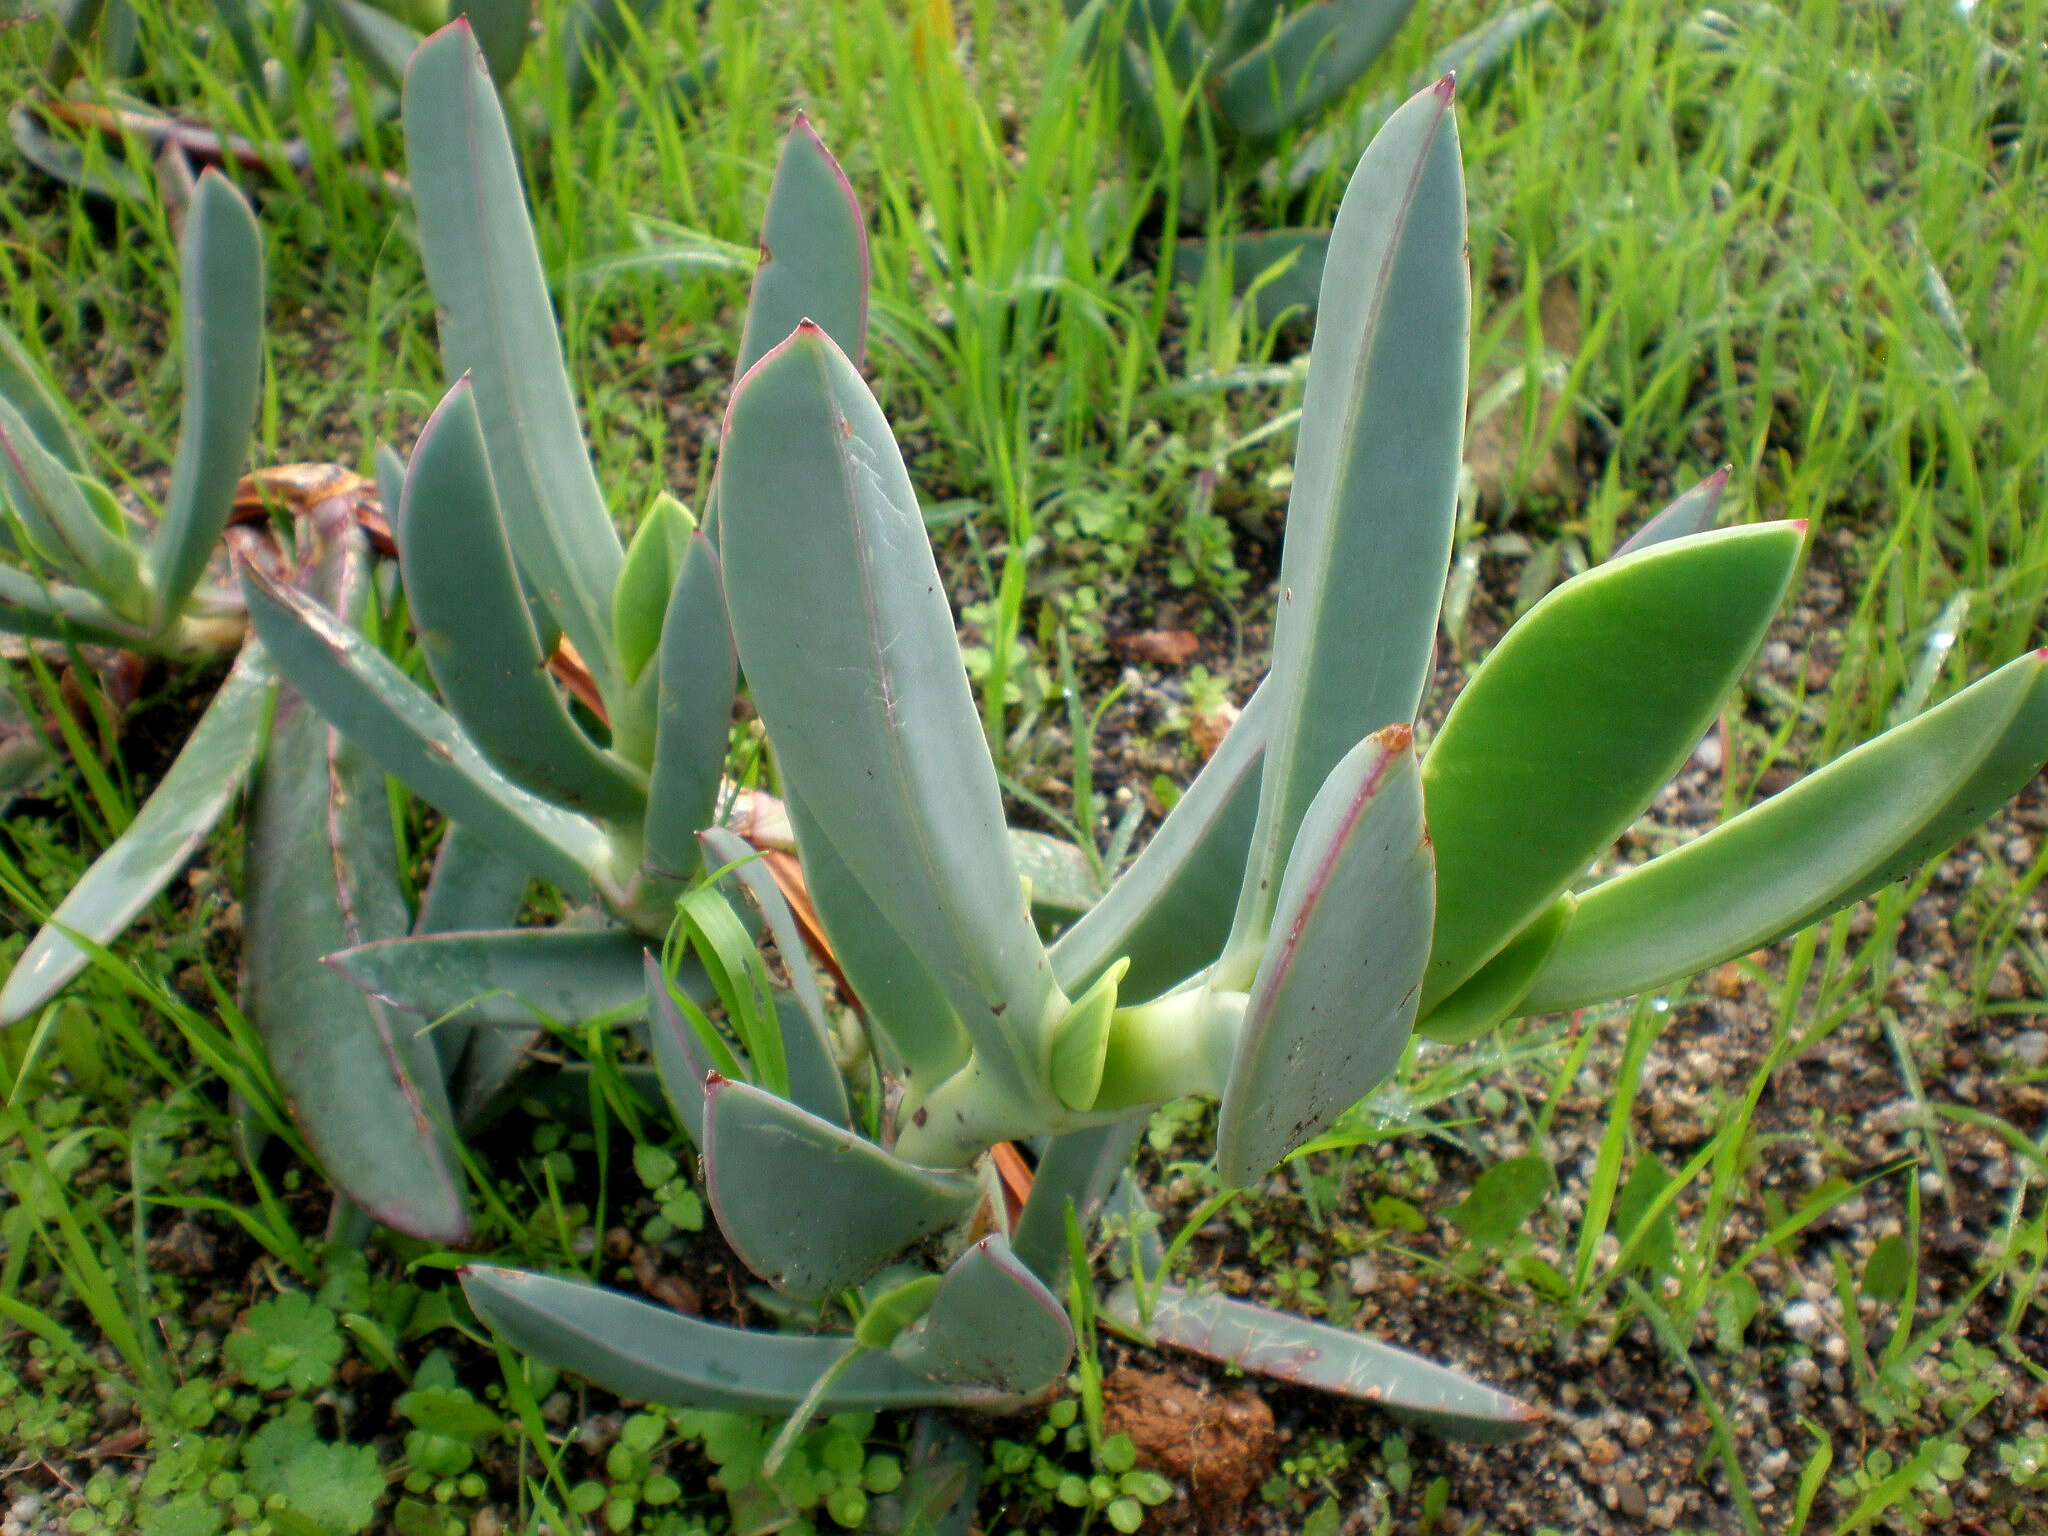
[(1804, 1321), (2030, 1049)]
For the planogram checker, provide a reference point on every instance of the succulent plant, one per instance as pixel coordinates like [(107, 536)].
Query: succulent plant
[(82, 567), (1325, 890), (381, 34), (86, 572), (1260, 80)]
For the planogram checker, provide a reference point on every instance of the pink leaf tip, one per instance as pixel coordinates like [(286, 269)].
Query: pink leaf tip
[(1447, 87)]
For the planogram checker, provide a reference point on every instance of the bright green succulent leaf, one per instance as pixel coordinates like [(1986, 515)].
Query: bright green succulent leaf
[(905, 1008), (1303, 68), (1481, 57), (1292, 1349), (1493, 992), (414, 740), (1370, 517), (61, 525), (895, 1310), (474, 630), (508, 976), (656, 1355), (23, 386), (866, 699), (1081, 1039), (646, 580), (1692, 512), (52, 611), (992, 1324), (1169, 913), (222, 311), (498, 326), (814, 254), (815, 1081), (697, 678), (364, 1087), (1334, 998), (807, 1205), (1578, 718), (383, 42), (1076, 1170), (1866, 819), (502, 29), (172, 824)]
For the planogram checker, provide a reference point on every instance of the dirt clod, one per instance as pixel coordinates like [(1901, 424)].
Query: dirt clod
[(1216, 1447)]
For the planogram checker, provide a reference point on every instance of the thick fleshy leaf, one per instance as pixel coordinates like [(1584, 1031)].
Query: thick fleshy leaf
[(222, 301), (473, 886), (1169, 913), (866, 699), (814, 254), (809, 1206), (53, 611), (903, 1003), (510, 976), (412, 738), (1292, 1349), (498, 326), (24, 386), (648, 580), (651, 1354), (1494, 991), (1691, 512), (1252, 257), (1868, 818), (379, 39), (60, 524), (1245, 24), (698, 678), (502, 29), (172, 824), (594, 30), (364, 1086), (680, 1056), (815, 1081), (1335, 994), (1375, 482), (992, 1325), (474, 630), (1305, 66), (1576, 720), (1061, 883)]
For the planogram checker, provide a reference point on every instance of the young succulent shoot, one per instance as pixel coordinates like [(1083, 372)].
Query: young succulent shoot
[(1323, 892), (82, 567)]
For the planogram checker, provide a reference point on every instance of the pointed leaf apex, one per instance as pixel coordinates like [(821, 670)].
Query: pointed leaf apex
[(1800, 524), (1447, 87), (714, 1081), (1397, 737)]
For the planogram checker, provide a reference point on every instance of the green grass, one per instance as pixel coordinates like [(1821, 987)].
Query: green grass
[(1809, 241)]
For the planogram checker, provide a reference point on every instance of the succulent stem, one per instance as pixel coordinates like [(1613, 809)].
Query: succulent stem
[(1175, 1045)]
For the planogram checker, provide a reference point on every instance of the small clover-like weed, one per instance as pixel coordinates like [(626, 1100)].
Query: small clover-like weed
[(679, 1208), (1042, 1477), (829, 1472), (288, 1341)]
